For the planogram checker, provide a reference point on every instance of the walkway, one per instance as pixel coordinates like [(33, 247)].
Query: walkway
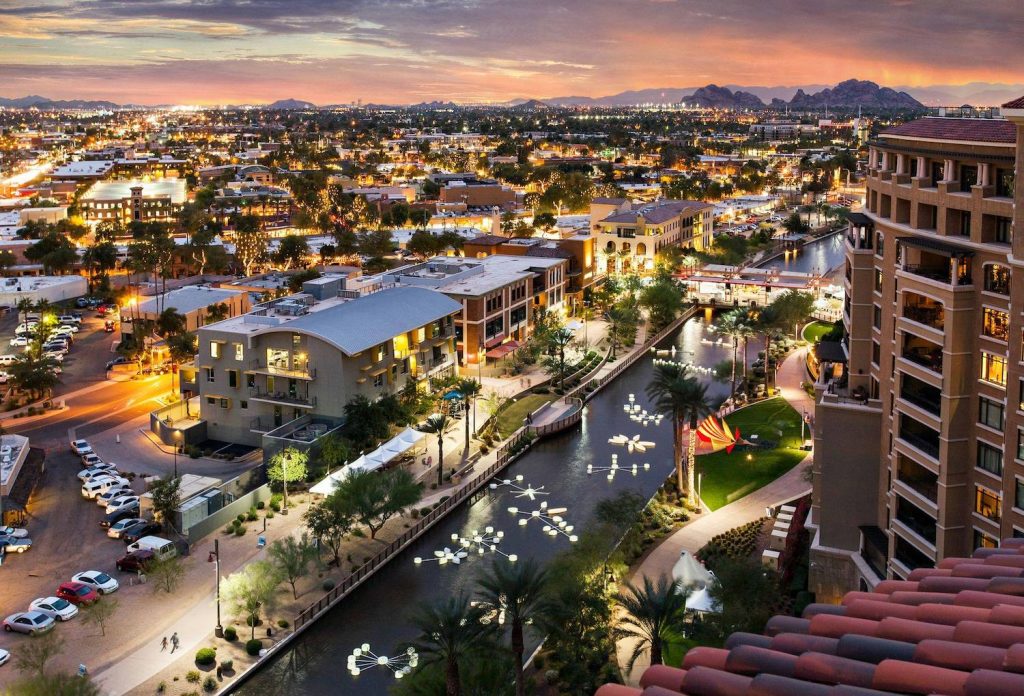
[(700, 531)]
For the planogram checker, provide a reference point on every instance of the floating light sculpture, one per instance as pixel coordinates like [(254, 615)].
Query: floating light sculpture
[(553, 524), (362, 659)]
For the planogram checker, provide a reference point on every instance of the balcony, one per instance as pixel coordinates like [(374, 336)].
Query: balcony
[(917, 478), (916, 520), (928, 358), (931, 272), (281, 369), (282, 398), (923, 310), (921, 394), (928, 445)]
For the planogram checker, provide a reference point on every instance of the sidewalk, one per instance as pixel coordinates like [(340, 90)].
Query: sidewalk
[(700, 530)]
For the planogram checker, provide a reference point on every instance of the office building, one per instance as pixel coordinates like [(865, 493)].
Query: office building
[(630, 235)]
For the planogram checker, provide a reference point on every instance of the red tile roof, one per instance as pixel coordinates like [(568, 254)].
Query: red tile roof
[(1017, 103), (975, 130), (957, 630)]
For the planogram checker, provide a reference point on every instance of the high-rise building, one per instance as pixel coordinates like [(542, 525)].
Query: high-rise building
[(919, 447)]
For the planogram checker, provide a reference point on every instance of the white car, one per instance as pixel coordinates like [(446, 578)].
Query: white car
[(54, 355), (123, 501), (4, 656), (81, 447), (95, 472), (114, 532), (91, 459), (60, 609), (67, 329), (19, 342), (4, 377), (15, 532), (104, 499), (98, 580)]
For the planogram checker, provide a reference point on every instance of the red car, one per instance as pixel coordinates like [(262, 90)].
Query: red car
[(77, 593)]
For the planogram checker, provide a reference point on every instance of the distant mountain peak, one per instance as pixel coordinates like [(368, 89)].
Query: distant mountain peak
[(853, 93), (283, 104), (715, 97)]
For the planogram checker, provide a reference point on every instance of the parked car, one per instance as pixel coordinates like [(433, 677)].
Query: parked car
[(69, 320), (119, 360), (19, 342), (4, 377), (133, 534), (15, 544), (31, 622), (60, 609), (4, 656), (108, 326), (104, 499), (96, 471), (136, 561), (81, 447), (98, 580), (91, 459), (101, 484), (54, 355), (124, 520), (82, 302), (78, 593), (15, 532), (122, 502)]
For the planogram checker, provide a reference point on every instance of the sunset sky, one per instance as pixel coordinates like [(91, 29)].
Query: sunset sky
[(405, 51)]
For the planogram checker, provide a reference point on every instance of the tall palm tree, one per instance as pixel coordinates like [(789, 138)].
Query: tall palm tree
[(734, 325), (521, 591), (677, 394), (450, 633), (470, 389), (652, 611), (439, 424)]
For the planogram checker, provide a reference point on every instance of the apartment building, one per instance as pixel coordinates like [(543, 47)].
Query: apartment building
[(133, 201), (630, 236), (919, 451), (302, 356), (475, 193), (498, 297)]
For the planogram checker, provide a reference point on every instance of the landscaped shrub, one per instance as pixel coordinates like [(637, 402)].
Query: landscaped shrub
[(737, 543), (230, 633), (193, 676), (209, 684), (206, 656), (227, 665), (261, 504), (240, 530), (270, 514), (253, 646), (230, 529), (425, 510), (328, 585), (240, 519), (282, 623), (251, 516)]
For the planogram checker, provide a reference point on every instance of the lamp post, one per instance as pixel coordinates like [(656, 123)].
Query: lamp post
[(176, 437), (218, 629)]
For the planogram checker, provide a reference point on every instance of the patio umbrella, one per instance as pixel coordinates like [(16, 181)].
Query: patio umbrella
[(452, 396)]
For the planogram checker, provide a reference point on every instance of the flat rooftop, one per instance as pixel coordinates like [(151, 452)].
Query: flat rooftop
[(460, 276), (188, 299), (83, 168), (117, 190)]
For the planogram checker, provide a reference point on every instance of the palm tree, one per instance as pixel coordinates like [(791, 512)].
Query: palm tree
[(651, 613), (25, 306), (170, 321), (559, 341), (469, 388), (521, 591), (734, 326), (450, 632), (677, 394), (439, 424)]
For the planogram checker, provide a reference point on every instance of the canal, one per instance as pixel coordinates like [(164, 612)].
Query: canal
[(378, 613), (819, 257)]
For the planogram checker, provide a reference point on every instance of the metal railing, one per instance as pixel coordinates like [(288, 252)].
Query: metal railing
[(283, 398), (282, 371)]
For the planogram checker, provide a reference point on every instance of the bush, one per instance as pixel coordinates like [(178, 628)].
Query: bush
[(282, 623), (253, 646), (270, 514), (275, 506), (161, 687), (206, 656), (425, 510), (251, 516), (227, 665), (328, 585), (193, 676), (358, 533), (230, 529), (414, 513), (261, 504), (230, 633), (209, 684), (240, 530), (240, 519)]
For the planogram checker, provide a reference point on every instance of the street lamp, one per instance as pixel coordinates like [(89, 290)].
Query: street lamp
[(177, 438), (218, 629)]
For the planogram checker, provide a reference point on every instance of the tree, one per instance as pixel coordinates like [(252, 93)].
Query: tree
[(559, 341), (251, 242), (99, 613), (747, 594), (521, 591), (439, 424), (788, 310), (423, 244), (680, 396), (54, 685), (451, 633), (250, 590), (217, 312), (734, 326), (170, 321), (166, 574), (795, 224), (651, 613), (35, 373), (334, 451), (292, 250), (329, 521), (663, 301), (375, 497), (54, 251), (376, 243), (33, 656), (545, 221), (166, 499), (470, 389), (291, 557), (287, 465)]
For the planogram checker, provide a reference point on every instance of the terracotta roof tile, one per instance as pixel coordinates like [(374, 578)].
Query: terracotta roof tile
[(976, 130), (1017, 103)]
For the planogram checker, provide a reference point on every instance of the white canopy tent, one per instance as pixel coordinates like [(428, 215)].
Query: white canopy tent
[(370, 462), (691, 575)]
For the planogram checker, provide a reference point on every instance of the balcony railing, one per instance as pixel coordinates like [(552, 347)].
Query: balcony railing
[(930, 359), (933, 406), (929, 316), (281, 370), (939, 273), (302, 401), (926, 445)]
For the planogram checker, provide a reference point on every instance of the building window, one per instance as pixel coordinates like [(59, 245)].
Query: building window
[(995, 324), (1004, 227), (239, 351), (991, 413), (214, 349), (876, 320), (876, 353), (1004, 183), (997, 279), (878, 280), (987, 504), (1020, 449), (993, 368), (209, 374), (984, 541), (243, 404), (378, 380), (990, 459), (233, 378), (225, 403)]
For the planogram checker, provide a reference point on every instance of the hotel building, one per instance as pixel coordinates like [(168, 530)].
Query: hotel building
[(919, 449), (629, 236)]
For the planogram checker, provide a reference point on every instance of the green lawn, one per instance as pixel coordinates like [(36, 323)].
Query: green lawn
[(727, 477), (512, 417), (815, 330)]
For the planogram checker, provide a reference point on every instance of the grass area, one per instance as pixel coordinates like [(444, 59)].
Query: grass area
[(727, 477), (512, 417), (815, 330)]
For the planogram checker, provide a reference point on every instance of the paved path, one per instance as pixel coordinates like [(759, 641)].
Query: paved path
[(699, 531)]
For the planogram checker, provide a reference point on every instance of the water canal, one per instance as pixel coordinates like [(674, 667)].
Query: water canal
[(819, 257)]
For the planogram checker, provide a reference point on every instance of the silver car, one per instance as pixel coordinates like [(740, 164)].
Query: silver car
[(31, 622)]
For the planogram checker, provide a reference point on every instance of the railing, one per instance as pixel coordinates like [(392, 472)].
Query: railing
[(925, 445), (932, 406), (281, 397), (505, 455), (279, 371), (943, 275), (929, 316), (924, 358), (567, 421)]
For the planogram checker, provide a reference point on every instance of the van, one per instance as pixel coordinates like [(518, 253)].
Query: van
[(101, 484), (162, 548), (6, 360)]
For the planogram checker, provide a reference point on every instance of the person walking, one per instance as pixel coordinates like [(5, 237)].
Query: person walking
[(174, 641), (163, 644)]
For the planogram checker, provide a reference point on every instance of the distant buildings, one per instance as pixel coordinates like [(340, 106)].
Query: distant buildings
[(133, 201), (629, 236)]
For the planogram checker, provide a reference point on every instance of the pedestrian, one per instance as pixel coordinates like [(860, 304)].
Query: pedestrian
[(163, 644), (174, 641)]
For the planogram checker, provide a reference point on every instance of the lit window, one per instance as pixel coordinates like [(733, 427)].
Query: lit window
[(987, 504), (995, 324), (993, 368), (239, 351), (214, 349)]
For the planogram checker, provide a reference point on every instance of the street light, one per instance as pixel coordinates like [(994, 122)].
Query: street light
[(177, 438), (218, 629)]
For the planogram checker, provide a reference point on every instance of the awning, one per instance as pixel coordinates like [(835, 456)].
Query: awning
[(495, 341), (499, 352), (936, 246), (370, 462)]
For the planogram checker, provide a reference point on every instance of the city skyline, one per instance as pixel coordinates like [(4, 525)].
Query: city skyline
[(407, 51)]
